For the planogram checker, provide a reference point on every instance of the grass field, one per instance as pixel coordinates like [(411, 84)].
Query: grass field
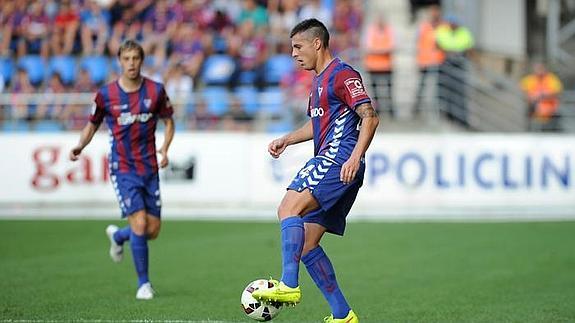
[(390, 272)]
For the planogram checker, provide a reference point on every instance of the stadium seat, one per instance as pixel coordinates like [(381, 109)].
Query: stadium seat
[(16, 126), (247, 77), (97, 67), (277, 67), (217, 99), (279, 127), (249, 97), (6, 68), (35, 66), (272, 101), (217, 70), (220, 45), (65, 66), (47, 126)]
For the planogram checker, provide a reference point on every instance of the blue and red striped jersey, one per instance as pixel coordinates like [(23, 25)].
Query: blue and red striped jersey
[(132, 118), (335, 94)]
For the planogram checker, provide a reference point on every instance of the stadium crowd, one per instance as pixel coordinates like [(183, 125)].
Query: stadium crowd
[(222, 62)]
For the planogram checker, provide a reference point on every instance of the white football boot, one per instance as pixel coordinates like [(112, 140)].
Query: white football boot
[(145, 292), (116, 250)]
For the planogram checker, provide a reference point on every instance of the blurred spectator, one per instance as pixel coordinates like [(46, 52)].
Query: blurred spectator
[(11, 17), (416, 5), (296, 87), (236, 118), (252, 11), (196, 12), (21, 85), (188, 49), (66, 26), (201, 119), (429, 56), (282, 17), (457, 42), (84, 83), (378, 47), (52, 110), (159, 26), (249, 49), (95, 28), (314, 9), (347, 16), (35, 31), (542, 89), (127, 28), (76, 115), (179, 86)]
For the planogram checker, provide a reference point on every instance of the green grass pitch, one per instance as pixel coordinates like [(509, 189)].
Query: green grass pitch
[(389, 272)]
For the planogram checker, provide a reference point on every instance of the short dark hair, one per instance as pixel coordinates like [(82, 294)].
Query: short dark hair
[(130, 44), (316, 27)]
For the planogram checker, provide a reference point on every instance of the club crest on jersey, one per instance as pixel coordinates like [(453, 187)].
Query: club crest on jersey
[(319, 90), (147, 103), (354, 86)]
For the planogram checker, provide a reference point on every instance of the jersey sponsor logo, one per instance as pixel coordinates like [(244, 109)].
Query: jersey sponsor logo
[(127, 118), (354, 86), (316, 112)]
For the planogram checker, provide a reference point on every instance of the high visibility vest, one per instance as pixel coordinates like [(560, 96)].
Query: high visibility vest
[(428, 54), (458, 40), (548, 85), (378, 39)]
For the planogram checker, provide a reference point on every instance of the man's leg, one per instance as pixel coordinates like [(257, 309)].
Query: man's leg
[(321, 271), (293, 206), (139, 245)]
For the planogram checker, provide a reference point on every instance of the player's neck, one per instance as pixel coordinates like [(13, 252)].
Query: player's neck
[(323, 61), (130, 85)]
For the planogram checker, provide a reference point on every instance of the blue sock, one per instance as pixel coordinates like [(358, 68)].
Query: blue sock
[(292, 245), (122, 235), (321, 271), (139, 245)]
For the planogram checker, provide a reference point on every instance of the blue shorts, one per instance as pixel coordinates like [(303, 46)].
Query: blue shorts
[(322, 177), (137, 192)]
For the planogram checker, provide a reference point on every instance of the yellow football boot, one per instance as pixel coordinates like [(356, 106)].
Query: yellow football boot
[(280, 293), (350, 318)]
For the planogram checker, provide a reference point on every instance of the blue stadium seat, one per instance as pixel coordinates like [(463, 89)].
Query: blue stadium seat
[(249, 97), (217, 70), (65, 66), (97, 67), (279, 127), (6, 68), (217, 99), (34, 65), (47, 126), (16, 126), (247, 77), (220, 45), (277, 67), (272, 101)]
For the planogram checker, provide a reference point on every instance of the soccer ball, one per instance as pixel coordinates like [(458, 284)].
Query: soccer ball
[(255, 309)]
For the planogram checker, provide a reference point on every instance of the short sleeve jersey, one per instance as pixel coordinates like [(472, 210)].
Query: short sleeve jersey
[(132, 118), (335, 94)]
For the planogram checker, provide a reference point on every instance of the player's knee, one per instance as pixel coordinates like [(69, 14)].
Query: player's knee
[(153, 232), (138, 226), (285, 210)]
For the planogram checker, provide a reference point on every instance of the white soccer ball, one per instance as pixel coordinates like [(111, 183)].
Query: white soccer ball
[(255, 309)]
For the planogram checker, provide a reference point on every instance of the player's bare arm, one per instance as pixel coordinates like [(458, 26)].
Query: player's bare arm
[(277, 146), (85, 138), (369, 123), (168, 136)]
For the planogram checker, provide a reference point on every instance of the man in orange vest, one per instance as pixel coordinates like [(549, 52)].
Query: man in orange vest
[(429, 56), (378, 46), (542, 89)]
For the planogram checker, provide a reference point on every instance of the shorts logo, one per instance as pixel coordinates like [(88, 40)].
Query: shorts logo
[(354, 86)]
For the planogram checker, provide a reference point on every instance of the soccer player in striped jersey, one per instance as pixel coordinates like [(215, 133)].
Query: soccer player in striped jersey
[(131, 107), (342, 125)]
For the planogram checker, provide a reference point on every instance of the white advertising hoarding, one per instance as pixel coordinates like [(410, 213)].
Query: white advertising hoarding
[(231, 175)]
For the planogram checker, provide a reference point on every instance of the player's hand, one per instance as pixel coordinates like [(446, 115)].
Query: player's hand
[(75, 153), (276, 147), (164, 161), (348, 170)]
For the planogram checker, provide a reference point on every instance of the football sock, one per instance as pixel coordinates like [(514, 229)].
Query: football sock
[(321, 271), (139, 246), (292, 244), (122, 235)]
